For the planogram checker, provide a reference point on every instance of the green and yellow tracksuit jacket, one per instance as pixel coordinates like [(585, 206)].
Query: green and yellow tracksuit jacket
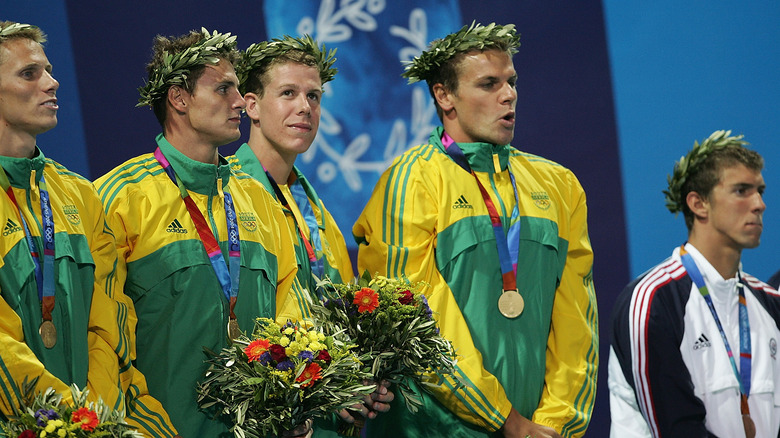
[(427, 220), (178, 301), (335, 258), (91, 348), (336, 262)]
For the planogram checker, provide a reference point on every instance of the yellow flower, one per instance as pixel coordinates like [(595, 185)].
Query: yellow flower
[(62, 433), (284, 341), (288, 331), (50, 427), (314, 336), (320, 336)]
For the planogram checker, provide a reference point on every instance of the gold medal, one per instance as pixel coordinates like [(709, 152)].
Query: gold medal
[(511, 304), (48, 333), (233, 330)]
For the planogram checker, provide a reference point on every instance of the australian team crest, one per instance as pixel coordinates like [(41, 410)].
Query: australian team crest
[(541, 200), (72, 213), (248, 221)]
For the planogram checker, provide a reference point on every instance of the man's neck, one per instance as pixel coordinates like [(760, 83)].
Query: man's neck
[(723, 258), (16, 145), (192, 147), (278, 166)]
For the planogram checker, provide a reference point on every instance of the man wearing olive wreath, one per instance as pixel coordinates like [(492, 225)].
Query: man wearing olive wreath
[(282, 82), (694, 339), (62, 321), (501, 237), (201, 251)]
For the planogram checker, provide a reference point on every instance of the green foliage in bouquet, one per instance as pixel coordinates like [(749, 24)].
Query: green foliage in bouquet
[(392, 324), (44, 414), (280, 377)]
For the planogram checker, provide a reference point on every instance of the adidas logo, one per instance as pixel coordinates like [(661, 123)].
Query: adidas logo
[(702, 342), (462, 203), (10, 228), (175, 227)]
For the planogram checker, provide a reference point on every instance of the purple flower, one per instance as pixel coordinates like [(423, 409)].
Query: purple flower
[(428, 311), (265, 358), (285, 365), (336, 302), (306, 355), (44, 415)]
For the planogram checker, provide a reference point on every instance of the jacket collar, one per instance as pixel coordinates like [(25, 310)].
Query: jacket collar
[(196, 176), (480, 156), (19, 169)]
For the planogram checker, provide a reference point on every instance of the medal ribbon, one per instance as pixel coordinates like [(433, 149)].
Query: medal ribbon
[(228, 279), (314, 247), (44, 277), (303, 203), (508, 244), (745, 356)]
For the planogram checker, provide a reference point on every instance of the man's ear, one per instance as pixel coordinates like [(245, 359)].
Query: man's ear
[(698, 205), (443, 97), (252, 106), (176, 98)]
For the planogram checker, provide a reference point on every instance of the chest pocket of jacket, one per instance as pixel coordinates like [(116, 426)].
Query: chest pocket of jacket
[(75, 268), (542, 254), (466, 251), (183, 268)]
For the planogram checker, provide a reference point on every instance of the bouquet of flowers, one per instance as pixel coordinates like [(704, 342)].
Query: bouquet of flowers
[(44, 415), (394, 329), (281, 377)]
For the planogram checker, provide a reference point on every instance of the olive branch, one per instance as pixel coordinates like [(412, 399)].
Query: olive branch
[(176, 67), (473, 37), (689, 163), (264, 52)]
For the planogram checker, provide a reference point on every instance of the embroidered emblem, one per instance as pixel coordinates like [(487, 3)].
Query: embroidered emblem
[(248, 221), (72, 213), (175, 227), (11, 227), (702, 342), (773, 348), (462, 203), (541, 200)]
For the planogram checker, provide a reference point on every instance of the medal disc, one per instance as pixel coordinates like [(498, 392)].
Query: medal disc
[(511, 304), (750, 427), (48, 333), (233, 330)]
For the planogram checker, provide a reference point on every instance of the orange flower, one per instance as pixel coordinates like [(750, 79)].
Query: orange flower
[(256, 348), (312, 372), (367, 300), (87, 418)]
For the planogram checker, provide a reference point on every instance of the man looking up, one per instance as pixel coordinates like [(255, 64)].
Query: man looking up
[(501, 237), (694, 339), (201, 253), (282, 81), (282, 84)]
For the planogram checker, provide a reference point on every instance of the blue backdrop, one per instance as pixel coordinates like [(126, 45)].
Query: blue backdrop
[(614, 90)]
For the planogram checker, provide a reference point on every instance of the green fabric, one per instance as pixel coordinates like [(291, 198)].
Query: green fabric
[(74, 277)]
